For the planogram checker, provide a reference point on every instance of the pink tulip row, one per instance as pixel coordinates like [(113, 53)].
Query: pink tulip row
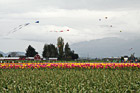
[(70, 65)]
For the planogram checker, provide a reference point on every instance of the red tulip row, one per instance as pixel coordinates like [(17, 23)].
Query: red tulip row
[(70, 65)]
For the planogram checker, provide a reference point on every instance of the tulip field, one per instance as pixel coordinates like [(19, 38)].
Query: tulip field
[(70, 65), (70, 77)]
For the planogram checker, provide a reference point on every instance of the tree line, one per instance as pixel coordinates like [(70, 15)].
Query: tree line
[(51, 51)]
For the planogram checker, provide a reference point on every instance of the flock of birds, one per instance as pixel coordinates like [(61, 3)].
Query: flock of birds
[(37, 22), (106, 19), (20, 27), (120, 31), (27, 24)]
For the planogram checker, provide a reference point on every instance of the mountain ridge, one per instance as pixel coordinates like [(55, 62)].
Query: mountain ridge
[(106, 47), (6, 54)]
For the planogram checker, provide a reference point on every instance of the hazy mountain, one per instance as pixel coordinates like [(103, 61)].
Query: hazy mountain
[(107, 47), (2, 53), (18, 53)]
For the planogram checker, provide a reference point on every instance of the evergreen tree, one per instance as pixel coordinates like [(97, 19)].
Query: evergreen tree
[(53, 51), (73, 55), (67, 51), (60, 45), (1, 55), (9, 55), (49, 51), (45, 51), (76, 56), (30, 51)]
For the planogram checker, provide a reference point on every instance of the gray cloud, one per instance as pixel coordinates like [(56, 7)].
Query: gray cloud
[(20, 6), (91, 4), (80, 16)]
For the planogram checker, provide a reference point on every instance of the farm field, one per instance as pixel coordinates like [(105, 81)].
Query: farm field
[(69, 80), (70, 77)]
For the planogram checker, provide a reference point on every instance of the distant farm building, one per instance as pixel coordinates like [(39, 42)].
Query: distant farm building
[(112, 58), (37, 57), (126, 58), (53, 59), (9, 58)]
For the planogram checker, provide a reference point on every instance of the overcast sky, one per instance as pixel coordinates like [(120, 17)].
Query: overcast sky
[(81, 17)]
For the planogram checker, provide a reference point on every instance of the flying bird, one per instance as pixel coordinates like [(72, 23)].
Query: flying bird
[(130, 49), (21, 26), (37, 22), (61, 31), (26, 24), (106, 17)]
